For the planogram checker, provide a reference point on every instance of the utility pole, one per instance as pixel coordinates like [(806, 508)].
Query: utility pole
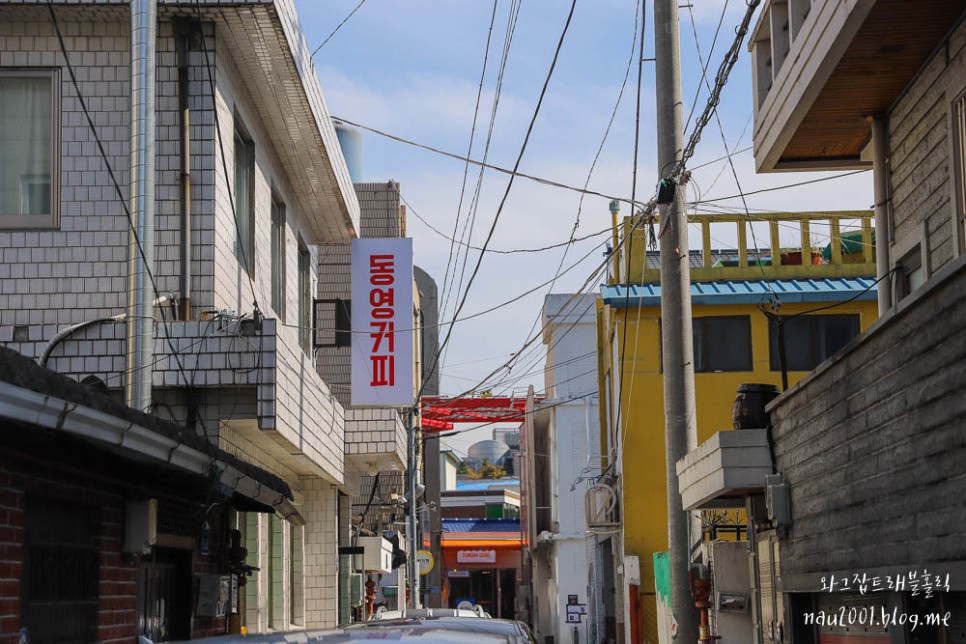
[(680, 432), (412, 570)]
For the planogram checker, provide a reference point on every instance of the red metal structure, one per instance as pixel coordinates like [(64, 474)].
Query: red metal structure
[(440, 414)]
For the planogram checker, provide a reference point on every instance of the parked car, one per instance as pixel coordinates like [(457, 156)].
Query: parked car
[(413, 630), (476, 611), (447, 628)]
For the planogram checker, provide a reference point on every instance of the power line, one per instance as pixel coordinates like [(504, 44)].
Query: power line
[(334, 31), (510, 251), (467, 233), (127, 212), (724, 141), (509, 186), (593, 165), (637, 134), (224, 162), (516, 357), (785, 187), (512, 173), (721, 79), (469, 152), (701, 59)]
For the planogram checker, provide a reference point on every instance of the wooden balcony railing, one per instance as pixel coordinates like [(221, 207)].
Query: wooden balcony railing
[(816, 255)]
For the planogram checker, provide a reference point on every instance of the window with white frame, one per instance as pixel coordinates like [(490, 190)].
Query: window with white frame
[(244, 195), (29, 148)]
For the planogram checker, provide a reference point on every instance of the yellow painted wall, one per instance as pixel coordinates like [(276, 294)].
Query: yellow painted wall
[(642, 413)]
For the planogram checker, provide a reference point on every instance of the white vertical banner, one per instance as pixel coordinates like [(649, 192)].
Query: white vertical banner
[(382, 322)]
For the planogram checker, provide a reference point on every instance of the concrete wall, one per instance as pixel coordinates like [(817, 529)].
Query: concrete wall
[(872, 445)]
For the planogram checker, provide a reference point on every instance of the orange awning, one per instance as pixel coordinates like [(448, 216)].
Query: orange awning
[(482, 543)]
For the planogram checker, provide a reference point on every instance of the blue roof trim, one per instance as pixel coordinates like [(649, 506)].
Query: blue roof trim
[(481, 525), (789, 291), (494, 485)]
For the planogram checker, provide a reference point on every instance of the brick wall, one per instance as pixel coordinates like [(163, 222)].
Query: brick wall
[(872, 444), (117, 587), (117, 572)]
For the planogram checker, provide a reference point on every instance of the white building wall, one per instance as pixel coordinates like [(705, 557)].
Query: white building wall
[(571, 338), (321, 553)]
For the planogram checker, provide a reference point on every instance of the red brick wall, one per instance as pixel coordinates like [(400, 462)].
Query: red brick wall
[(11, 554), (117, 609), (118, 580)]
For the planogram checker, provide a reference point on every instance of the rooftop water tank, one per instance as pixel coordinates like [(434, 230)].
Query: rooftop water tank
[(491, 450), (350, 140)]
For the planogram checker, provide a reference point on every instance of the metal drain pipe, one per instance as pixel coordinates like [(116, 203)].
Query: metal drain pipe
[(140, 313)]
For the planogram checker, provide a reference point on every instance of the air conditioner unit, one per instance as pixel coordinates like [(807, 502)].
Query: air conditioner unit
[(599, 503), (378, 554)]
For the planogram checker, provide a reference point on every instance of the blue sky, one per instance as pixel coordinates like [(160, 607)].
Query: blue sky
[(412, 68)]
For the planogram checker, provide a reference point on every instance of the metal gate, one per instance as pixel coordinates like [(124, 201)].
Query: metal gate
[(164, 595), (60, 573)]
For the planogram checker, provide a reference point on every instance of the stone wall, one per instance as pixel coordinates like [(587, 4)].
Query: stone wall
[(873, 447)]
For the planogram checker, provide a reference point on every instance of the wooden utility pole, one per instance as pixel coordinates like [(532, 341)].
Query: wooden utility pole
[(676, 341)]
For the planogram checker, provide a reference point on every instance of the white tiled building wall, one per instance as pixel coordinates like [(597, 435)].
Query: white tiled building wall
[(53, 278), (321, 553)]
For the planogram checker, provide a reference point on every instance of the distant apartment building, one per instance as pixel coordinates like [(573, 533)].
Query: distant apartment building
[(249, 181)]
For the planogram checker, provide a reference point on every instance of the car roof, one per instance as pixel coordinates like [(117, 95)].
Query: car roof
[(421, 630), (339, 636), (381, 614), (503, 629)]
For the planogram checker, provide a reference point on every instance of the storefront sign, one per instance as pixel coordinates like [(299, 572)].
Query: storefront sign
[(459, 574), (476, 556), (425, 561), (382, 322)]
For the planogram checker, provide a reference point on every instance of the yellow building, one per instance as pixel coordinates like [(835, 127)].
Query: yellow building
[(822, 303)]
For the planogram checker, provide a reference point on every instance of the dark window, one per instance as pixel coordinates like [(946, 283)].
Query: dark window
[(60, 575), (305, 297), (343, 323), (245, 201), (278, 257), (722, 344), (909, 273), (810, 339), (332, 323)]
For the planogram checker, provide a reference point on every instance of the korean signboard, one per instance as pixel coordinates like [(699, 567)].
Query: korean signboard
[(382, 322), (476, 556)]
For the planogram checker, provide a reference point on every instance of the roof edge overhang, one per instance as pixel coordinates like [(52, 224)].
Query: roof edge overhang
[(745, 292), (126, 437), (849, 62), (322, 156)]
